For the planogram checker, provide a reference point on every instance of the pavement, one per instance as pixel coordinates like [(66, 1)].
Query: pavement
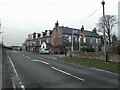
[(6, 71), (0, 67)]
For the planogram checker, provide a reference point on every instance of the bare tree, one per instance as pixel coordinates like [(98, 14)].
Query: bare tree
[(110, 22), (114, 39)]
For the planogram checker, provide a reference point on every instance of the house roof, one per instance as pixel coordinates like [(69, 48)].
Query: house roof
[(67, 30)]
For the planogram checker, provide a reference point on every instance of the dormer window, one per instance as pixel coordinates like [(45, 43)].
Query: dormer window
[(41, 34), (48, 33)]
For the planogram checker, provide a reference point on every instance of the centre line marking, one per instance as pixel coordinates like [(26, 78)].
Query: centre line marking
[(28, 57), (22, 54), (81, 79), (40, 61)]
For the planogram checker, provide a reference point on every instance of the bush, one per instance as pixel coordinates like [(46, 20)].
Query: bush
[(87, 49), (114, 50)]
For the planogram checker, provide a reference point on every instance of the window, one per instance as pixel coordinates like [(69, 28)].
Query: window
[(90, 40), (66, 39), (99, 40), (40, 42), (66, 35), (47, 41), (84, 39), (27, 43), (79, 39), (70, 39), (96, 40), (30, 42), (75, 39)]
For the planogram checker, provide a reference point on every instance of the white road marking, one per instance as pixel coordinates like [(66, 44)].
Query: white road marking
[(40, 61), (61, 71), (22, 86), (28, 57), (102, 70), (13, 66), (15, 51), (54, 58), (22, 54), (81, 79)]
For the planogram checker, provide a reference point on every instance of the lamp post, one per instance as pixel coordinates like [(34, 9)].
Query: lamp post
[(105, 53)]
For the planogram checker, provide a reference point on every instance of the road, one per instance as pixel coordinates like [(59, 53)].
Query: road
[(46, 71)]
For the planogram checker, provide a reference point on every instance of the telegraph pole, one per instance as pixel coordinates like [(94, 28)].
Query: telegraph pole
[(0, 27), (72, 41), (105, 51)]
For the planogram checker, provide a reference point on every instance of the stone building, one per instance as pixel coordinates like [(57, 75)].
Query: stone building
[(62, 38)]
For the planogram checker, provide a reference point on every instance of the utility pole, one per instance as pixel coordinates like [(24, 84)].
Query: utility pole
[(0, 27), (79, 40), (2, 40), (105, 51), (1, 32), (72, 41)]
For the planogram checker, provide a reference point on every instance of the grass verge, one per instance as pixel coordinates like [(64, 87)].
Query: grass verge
[(110, 66)]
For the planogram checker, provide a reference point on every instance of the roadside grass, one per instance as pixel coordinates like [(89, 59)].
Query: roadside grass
[(110, 66)]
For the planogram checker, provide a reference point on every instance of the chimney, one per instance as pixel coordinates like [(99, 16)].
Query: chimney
[(34, 35), (56, 24), (38, 35), (94, 30), (82, 29)]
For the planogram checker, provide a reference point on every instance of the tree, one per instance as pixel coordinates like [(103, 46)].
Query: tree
[(114, 39), (110, 22)]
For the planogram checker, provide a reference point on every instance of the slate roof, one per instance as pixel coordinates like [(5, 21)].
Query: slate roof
[(67, 30)]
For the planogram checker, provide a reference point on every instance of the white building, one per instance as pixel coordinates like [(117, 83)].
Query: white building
[(119, 20)]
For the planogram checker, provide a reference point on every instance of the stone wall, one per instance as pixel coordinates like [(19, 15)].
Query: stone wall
[(95, 55)]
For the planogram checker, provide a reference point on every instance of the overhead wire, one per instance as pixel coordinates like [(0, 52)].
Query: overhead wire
[(90, 15)]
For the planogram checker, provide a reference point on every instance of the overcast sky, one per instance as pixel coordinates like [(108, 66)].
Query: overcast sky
[(22, 17)]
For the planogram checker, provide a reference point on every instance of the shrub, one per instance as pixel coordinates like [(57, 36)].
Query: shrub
[(87, 49), (114, 50)]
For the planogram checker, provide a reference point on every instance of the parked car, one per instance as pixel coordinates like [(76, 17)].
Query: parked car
[(45, 51)]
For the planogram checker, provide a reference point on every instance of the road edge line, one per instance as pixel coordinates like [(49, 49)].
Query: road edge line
[(21, 85)]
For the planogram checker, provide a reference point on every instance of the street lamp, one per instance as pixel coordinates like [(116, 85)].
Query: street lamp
[(105, 53)]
